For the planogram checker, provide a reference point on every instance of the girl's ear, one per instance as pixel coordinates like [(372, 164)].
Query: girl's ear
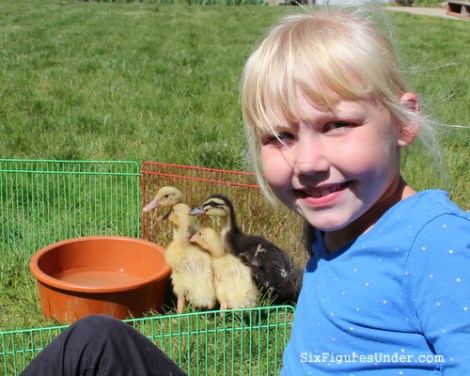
[(409, 131)]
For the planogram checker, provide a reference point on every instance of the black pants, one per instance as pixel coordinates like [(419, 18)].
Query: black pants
[(101, 345)]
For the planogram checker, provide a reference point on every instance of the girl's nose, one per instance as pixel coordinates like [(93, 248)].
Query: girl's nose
[(311, 157)]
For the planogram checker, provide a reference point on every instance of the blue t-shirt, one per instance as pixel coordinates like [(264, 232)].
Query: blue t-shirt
[(396, 301)]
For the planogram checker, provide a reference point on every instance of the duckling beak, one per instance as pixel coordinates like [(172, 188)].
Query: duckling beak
[(192, 239), (198, 211), (154, 204)]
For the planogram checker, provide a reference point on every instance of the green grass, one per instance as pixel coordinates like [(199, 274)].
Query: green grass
[(427, 3), (159, 82), (117, 81), (435, 51)]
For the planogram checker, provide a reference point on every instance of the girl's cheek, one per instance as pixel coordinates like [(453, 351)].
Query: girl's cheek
[(275, 168)]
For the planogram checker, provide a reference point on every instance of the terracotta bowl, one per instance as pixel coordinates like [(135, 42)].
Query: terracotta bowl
[(116, 276)]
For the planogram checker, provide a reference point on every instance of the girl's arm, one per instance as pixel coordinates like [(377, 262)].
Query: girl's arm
[(439, 285)]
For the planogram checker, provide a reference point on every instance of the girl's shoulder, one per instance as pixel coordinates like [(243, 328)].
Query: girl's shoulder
[(427, 205), (429, 214)]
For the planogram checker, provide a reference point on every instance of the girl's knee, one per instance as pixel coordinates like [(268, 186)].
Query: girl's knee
[(96, 325), (96, 321)]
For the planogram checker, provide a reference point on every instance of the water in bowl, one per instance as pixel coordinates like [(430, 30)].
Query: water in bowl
[(97, 278)]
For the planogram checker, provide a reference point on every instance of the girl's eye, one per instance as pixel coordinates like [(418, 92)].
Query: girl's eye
[(281, 137), (284, 136), (339, 124)]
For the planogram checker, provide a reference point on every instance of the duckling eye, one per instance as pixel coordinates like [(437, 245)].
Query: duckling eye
[(211, 204)]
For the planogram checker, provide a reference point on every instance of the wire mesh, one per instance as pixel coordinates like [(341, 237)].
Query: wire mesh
[(255, 215), (47, 201), (239, 342)]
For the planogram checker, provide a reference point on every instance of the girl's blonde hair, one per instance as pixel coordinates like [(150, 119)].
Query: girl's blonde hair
[(329, 55)]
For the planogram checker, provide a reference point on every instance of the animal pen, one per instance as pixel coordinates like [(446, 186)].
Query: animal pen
[(46, 201)]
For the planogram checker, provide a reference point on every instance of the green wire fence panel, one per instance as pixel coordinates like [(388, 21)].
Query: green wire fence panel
[(42, 202), (254, 213), (237, 342)]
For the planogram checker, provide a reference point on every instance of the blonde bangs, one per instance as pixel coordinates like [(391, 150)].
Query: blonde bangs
[(314, 56)]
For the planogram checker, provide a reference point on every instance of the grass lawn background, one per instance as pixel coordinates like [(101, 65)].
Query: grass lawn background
[(152, 81)]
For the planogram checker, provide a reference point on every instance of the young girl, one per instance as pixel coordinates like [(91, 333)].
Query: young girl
[(387, 290)]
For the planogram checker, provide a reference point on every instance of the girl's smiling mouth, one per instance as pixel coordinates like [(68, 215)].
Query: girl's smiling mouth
[(321, 191)]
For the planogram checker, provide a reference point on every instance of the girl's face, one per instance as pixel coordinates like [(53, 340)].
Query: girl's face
[(339, 170)]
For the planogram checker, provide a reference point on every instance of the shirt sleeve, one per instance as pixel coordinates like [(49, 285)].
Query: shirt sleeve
[(438, 284)]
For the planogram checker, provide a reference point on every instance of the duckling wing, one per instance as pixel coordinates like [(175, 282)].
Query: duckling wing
[(187, 257), (273, 269), (234, 283), (192, 275), (196, 262), (198, 265)]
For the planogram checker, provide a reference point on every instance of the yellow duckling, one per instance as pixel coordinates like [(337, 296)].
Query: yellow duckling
[(233, 281), (192, 274)]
